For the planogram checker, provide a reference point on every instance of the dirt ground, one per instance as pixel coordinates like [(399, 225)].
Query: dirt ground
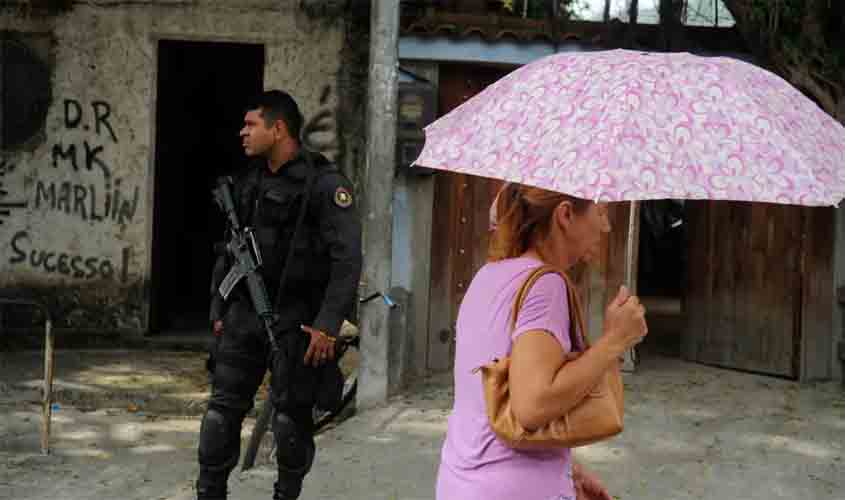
[(121, 421), (125, 427)]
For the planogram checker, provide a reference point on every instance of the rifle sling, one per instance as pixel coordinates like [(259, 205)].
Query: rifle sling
[(306, 197)]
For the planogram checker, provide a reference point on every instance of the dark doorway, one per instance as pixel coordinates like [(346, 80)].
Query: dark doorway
[(202, 91), (662, 270)]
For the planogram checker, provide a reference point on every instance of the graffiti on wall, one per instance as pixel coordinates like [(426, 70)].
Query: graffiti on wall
[(106, 201), (320, 132), (95, 196), (7, 203), (67, 263)]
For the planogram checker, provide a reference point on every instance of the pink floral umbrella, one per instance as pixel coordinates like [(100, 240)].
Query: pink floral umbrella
[(623, 125)]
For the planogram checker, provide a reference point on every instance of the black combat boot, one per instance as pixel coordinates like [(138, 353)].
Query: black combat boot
[(289, 484), (210, 491)]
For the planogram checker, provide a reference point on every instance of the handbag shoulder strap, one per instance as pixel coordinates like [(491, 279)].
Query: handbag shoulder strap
[(576, 315), (576, 320)]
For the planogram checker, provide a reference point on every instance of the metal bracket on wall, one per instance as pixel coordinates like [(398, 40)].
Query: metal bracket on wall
[(387, 300)]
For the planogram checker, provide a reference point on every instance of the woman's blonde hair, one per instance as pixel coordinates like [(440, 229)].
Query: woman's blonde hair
[(523, 218)]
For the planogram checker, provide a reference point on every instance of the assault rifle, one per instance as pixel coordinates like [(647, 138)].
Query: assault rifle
[(245, 253)]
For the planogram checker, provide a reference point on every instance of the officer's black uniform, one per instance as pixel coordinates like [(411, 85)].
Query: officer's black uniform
[(319, 291)]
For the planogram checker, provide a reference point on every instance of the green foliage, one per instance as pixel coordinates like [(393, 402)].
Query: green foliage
[(782, 25), (568, 7)]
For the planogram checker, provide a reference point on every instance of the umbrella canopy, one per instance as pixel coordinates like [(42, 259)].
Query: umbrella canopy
[(623, 125)]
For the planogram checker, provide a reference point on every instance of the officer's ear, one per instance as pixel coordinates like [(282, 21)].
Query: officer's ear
[(280, 129)]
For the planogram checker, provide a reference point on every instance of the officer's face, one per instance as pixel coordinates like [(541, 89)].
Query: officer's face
[(256, 136)]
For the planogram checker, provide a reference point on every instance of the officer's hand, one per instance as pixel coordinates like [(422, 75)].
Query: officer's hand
[(217, 327), (321, 348)]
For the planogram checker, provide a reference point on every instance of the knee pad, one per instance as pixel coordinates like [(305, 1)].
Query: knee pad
[(284, 430), (294, 452), (219, 445)]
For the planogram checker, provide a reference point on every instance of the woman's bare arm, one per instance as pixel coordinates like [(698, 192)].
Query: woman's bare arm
[(542, 386)]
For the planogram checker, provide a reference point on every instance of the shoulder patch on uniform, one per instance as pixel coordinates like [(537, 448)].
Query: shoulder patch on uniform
[(342, 197)]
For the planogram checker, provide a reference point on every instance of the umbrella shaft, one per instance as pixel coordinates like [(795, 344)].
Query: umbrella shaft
[(631, 250)]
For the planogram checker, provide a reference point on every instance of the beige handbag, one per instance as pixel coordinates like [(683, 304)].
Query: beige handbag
[(598, 416)]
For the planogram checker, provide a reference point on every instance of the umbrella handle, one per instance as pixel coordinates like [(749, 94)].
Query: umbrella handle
[(631, 253)]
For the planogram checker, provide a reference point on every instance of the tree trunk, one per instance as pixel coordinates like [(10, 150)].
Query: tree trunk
[(672, 32), (804, 61), (631, 32)]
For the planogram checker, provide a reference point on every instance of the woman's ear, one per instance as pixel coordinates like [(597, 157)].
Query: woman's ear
[(564, 214)]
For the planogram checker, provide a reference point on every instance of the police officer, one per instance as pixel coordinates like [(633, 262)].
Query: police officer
[(318, 291)]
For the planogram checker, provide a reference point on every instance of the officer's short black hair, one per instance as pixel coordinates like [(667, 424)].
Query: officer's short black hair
[(278, 105)]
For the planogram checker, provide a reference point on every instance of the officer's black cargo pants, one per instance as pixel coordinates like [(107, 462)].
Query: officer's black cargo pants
[(242, 357)]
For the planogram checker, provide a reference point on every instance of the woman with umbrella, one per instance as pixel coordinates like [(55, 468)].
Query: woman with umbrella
[(607, 126), (547, 376)]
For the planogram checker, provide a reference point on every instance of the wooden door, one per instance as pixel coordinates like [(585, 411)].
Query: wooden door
[(460, 222), (744, 297)]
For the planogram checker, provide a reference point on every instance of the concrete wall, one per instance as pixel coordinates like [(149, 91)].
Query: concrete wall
[(83, 241)]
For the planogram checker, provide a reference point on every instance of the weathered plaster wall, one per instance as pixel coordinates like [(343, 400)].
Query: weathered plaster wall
[(83, 242)]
